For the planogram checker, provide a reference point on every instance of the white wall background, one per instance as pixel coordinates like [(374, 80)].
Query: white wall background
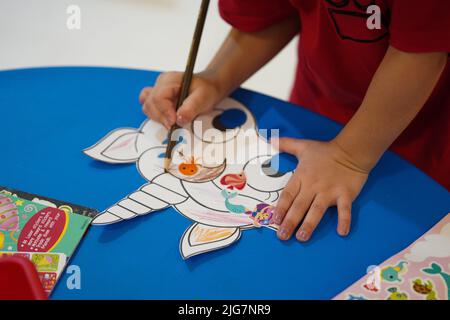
[(143, 34)]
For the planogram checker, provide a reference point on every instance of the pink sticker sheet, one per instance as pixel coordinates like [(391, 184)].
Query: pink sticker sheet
[(420, 272)]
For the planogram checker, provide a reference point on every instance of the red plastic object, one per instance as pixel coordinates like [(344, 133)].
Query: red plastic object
[(19, 280)]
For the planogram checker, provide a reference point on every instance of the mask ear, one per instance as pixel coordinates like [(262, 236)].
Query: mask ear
[(199, 238), (118, 146)]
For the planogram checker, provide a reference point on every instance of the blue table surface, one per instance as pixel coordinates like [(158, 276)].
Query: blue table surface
[(48, 115)]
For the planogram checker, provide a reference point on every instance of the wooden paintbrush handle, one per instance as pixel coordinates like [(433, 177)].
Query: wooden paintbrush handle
[(187, 76)]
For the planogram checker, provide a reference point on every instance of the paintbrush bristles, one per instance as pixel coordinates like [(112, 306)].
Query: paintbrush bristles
[(170, 145), (167, 162)]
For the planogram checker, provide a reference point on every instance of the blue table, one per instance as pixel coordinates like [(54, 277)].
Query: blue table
[(49, 115)]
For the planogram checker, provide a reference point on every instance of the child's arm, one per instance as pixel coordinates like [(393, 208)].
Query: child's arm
[(399, 89), (333, 173), (240, 56)]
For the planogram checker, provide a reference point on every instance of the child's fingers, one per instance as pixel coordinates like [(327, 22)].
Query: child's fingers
[(288, 195), (195, 104), (291, 146), (169, 78), (315, 213), (153, 113), (295, 214), (159, 102), (344, 206), (164, 100), (144, 94)]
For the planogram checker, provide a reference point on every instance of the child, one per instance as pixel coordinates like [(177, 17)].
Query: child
[(388, 85)]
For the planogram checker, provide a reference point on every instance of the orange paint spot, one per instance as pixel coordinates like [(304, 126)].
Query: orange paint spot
[(188, 168)]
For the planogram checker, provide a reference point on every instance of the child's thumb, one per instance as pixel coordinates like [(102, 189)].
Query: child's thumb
[(192, 106)]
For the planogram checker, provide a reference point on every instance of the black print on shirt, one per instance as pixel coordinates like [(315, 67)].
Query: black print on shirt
[(349, 18)]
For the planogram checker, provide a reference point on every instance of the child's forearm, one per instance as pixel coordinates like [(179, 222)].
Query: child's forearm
[(399, 89), (242, 54)]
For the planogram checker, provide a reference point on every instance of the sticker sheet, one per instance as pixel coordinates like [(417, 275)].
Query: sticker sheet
[(225, 181), (42, 230), (50, 202), (28, 226), (49, 266), (420, 272)]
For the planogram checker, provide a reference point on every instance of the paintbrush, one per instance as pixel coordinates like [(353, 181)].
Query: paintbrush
[(187, 77)]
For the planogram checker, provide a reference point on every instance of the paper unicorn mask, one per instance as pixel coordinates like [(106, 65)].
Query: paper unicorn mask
[(221, 196)]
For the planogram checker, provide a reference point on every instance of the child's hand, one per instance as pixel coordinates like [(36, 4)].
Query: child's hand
[(159, 102), (325, 177)]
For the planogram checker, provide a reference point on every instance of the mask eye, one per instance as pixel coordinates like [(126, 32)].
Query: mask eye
[(265, 173), (223, 123), (279, 165), (229, 119)]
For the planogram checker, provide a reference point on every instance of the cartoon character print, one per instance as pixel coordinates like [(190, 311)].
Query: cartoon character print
[(355, 297), (388, 273), (234, 181), (262, 215), (45, 261), (221, 196), (425, 288), (349, 18), (190, 168), (9, 220), (395, 294), (436, 269), (233, 208), (373, 281), (418, 272), (48, 280), (391, 273)]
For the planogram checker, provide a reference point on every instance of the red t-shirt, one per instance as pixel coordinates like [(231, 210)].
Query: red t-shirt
[(338, 56)]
